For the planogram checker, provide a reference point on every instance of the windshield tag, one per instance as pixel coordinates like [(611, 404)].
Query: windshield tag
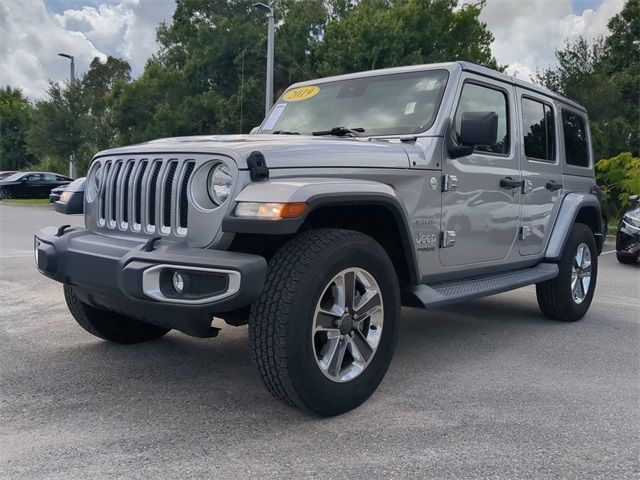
[(274, 116), (410, 108)]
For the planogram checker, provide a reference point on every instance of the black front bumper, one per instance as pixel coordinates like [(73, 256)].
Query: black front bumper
[(628, 241), (108, 272)]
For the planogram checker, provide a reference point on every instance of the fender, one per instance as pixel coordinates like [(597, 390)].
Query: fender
[(320, 192), (569, 209)]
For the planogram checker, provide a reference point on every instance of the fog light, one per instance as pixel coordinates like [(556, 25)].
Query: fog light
[(178, 282)]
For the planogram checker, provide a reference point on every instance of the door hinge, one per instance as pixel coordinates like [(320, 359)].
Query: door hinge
[(447, 238), (525, 231), (527, 186), (449, 182)]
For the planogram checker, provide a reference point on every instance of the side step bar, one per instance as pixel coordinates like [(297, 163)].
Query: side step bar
[(450, 293)]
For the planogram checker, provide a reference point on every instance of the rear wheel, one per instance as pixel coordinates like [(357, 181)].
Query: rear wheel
[(323, 332), (568, 296), (110, 326)]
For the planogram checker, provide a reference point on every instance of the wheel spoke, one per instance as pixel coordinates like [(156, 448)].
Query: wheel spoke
[(369, 304), (585, 281), (326, 320), (335, 362), (579, 256), (328, 353), (361, 344), (349, 289)]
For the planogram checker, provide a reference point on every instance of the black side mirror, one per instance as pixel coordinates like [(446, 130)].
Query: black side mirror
[(24, 179), (634, 198), (477, 128)]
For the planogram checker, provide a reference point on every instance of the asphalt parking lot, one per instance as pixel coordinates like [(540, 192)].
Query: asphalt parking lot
[(490, 389)]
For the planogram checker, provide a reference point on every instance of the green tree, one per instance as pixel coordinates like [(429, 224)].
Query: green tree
[(604, 77), (15, 117), (75, 119), (388, 33)]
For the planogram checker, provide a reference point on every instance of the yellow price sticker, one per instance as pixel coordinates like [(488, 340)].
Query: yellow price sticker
[(300, 93)]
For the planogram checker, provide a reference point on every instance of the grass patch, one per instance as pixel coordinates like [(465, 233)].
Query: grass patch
[(25, 201)]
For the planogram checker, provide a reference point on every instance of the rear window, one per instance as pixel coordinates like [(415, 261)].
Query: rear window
[(576, 148)]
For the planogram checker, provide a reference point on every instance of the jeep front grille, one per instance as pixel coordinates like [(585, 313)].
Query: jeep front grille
[(146, 195)]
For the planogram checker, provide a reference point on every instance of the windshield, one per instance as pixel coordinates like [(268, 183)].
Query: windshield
[(402, 103), (14, 177)]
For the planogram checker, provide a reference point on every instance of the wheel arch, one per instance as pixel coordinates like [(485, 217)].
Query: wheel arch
[(575, 208), (371, 208)]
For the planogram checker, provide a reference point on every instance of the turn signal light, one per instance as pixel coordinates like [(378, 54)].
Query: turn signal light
[(270, 211)]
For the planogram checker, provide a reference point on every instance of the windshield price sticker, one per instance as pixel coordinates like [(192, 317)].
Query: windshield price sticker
[(301, 93), (274, 116)]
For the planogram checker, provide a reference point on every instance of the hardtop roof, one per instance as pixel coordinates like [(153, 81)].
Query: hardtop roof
[(464, 66)]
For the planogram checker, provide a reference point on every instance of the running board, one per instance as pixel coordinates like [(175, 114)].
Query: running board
[(449, 293)]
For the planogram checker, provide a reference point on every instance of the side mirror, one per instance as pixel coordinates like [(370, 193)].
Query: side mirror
[(633, 198), (24, 179), (476, 128), (254, 130)]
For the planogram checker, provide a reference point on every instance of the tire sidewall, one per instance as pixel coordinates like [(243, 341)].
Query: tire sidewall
[(327, 396)]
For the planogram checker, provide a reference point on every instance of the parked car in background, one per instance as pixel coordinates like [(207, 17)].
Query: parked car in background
[(628, 237), (31, 184), (71, 200), (55, 194), (6, 173)]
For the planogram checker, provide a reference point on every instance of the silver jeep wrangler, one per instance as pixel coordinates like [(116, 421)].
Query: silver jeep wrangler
[(422, 186)]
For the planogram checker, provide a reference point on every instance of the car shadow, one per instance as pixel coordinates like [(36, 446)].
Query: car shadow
[(183, 371)]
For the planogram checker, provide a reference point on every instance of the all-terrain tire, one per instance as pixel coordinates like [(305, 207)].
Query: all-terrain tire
[(110, 326), (555, 296), (281, 321)]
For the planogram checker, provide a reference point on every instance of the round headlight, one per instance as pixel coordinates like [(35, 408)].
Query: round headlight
[(219, 183), (93, 184)]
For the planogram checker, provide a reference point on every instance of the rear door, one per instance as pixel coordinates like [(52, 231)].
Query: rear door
[(481, 214), (541, 170)]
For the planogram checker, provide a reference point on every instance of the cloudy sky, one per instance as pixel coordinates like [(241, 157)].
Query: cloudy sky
[(32, 32)]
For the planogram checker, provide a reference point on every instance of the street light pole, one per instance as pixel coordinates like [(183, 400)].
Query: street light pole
[(72, 81), (268, 10)]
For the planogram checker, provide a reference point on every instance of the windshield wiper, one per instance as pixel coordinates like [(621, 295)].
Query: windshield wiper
[(284, 132), (340, 132)]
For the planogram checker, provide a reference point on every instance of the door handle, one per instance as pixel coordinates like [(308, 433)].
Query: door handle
[(552, 186), (509, 183)]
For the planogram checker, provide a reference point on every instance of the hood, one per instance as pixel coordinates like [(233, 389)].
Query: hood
[(4, 183), (283, 151)]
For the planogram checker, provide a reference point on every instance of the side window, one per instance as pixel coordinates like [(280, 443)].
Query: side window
[(478, 98), (576, 149), (49, 177), (538, 128)]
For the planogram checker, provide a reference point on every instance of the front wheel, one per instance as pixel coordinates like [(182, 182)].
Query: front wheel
[(323, 332), (110, 326), (568, 296)]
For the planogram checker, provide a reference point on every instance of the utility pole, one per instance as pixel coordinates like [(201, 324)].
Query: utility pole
[(268, 10), (72, 82)]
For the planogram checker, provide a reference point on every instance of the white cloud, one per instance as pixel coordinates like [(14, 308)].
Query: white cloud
[(32, 37), (527, 32)]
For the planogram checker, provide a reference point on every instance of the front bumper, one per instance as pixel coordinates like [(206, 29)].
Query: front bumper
[(628, 241), (118, 274)]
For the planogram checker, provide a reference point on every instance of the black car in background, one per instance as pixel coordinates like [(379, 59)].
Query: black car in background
[(31, 184), (628, 237), (6, 173), (71, 200)]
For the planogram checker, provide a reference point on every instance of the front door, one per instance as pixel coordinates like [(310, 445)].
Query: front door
[(542, 188), (481, 192)]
